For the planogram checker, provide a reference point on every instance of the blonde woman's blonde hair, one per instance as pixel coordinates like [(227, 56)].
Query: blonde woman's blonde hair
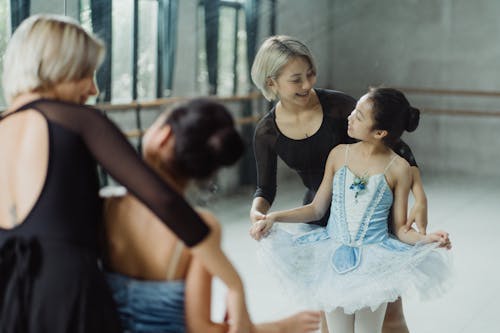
[(274, 53), (46, 50)]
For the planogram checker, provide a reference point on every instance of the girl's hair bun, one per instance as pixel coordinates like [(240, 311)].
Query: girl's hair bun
[(205, 138), (413, 119)]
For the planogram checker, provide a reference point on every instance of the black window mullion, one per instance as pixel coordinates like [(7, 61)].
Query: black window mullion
[(135, 47), (19, 10), (167, 43)]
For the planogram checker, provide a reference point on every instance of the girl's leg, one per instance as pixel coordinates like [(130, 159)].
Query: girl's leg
[(368, 321), (339, 322), (394, 321)]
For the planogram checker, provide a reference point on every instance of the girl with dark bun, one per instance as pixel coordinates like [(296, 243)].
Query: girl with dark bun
[(158, 285), (352, 268)]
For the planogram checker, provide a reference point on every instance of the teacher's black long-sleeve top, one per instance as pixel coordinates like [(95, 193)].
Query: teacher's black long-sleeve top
[(307, 156)]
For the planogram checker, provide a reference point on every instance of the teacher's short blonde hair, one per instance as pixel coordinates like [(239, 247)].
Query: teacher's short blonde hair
[(46, 50), (274, 53)]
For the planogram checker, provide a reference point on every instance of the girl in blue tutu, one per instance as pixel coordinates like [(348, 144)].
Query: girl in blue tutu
[(352, 268)]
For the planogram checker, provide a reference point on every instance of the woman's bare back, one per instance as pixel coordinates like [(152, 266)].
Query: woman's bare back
[(24, 149), (139, 245)]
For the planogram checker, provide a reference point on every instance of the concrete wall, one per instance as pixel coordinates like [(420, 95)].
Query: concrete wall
[(449, 44), (435, 43), (308, 21)]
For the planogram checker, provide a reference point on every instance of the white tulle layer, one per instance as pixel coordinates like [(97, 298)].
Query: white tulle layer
[(306, 274)]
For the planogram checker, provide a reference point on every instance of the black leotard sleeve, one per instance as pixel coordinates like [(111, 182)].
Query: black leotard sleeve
[(266, 158), (111, 149)]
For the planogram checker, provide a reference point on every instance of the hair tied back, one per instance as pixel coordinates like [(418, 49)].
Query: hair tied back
[(413, 119), (226, 145)]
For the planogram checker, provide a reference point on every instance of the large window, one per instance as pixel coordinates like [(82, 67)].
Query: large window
[(85, 15), (148, 49), (202, 84), (4, 38), (142, 68), (121, 71), (232, 71), (232, 65), (123, 50), (124, 61)]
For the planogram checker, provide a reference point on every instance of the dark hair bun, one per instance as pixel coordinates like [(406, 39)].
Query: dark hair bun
[(393, 113), (413, 119), (205, 138), (226, 145)]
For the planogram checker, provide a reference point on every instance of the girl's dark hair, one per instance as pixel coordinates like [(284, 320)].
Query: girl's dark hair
[(393, 113), (205, 138)]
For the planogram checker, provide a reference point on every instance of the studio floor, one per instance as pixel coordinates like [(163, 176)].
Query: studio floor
[(465, 206)]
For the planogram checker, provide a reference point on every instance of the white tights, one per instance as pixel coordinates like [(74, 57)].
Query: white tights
[(362, 321)]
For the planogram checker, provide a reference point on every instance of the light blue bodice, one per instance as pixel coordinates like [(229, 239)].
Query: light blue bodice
[(373, 228)]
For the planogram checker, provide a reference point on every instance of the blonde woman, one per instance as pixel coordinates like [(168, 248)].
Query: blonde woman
[(302, 128), (50, 211)]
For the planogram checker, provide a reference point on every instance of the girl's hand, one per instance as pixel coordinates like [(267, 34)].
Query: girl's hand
[(256, 216), (262, 227), (442, 237)]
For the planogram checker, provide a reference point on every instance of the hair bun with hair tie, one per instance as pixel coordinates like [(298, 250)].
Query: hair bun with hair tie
[(413, 119), (205, 138), (226, 144)]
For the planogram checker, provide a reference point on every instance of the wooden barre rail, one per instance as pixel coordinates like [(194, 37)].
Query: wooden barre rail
[(255, 96), (466, 113), (240, 121), (432, 91), (162, 102), (458, 92), (157, 103)]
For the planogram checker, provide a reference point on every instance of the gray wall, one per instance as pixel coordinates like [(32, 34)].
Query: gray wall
[(449, 44), (309, 21), (434, 43)]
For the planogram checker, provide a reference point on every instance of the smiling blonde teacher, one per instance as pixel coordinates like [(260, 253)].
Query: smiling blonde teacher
[(302, 128)]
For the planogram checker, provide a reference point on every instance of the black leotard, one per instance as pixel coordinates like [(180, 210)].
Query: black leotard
[(49, 275), (307, 156)]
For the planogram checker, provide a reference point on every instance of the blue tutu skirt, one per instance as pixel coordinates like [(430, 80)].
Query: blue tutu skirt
[(304, 262)]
